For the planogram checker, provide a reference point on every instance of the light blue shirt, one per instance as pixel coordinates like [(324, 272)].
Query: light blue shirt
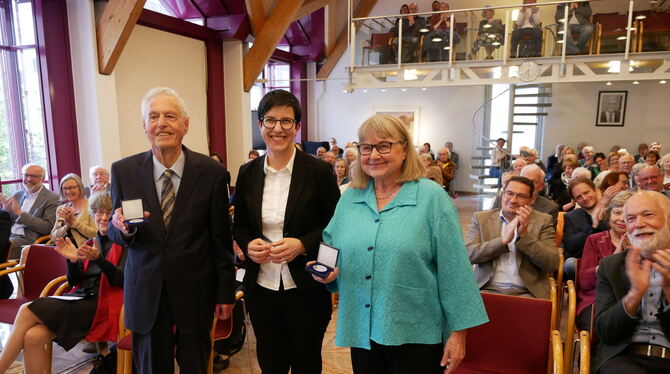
[(159, 169), (649, 330), (404, 273)]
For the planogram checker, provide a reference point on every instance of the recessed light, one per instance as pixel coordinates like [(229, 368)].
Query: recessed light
[(436, 40), (636, 82), (621, 38), (403, 89), (446, 47), (663, 82), (642, 16), (424, 29), (383, 89), (608, 84), (425, 89), (487, 26), (365, 91)]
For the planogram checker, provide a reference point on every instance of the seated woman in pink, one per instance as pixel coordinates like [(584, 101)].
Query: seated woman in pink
[(597, 247)]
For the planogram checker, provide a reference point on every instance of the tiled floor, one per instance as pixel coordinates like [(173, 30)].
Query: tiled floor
[(335, 360)]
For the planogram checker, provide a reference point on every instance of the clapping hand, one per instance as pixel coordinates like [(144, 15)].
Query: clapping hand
[(507, 234), (67, 249), (638, 271), (523, 214), (258, 251), (9, 204), (87, 252)]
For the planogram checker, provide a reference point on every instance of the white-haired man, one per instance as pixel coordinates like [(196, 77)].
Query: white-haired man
[(32, 210), (99, 180), (633, 293), (587, 152)]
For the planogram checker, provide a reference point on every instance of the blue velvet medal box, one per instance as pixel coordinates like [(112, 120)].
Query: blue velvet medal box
[(325, 262), (133, 212)]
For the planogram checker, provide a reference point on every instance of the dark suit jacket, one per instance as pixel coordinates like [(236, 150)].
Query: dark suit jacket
[(42, 215), (576, 228), (613, 326), (312, 198), (6, 287), (603, 116), (191, 257)]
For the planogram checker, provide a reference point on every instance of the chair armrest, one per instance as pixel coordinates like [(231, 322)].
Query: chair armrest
[(570, 324), (9, 263), (584, 352), (557, 352), (42, 239), (12, 270), (50, 285)]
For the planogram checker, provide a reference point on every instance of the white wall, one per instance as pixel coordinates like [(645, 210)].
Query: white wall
[(156, 58), (573, 115)]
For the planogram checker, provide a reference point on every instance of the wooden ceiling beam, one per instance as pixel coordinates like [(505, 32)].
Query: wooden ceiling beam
[(309, 7), (114, 29), (363, 10), (331, 27), (256, 12), (267, 39)]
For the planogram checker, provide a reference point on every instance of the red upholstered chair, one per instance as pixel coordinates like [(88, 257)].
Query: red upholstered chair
[(43, 264), (516, 340), (221, 330), (654, 27), (612, 25), (376, 42)]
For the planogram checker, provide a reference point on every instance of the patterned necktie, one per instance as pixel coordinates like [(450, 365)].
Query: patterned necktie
[(167, 196)]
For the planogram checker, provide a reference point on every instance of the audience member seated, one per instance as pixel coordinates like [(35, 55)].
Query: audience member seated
[(350, 155), (95, 270), (330, 158), (649, 178), (72, 218), (253, 154), (336, 150), (513, 248), (613, 161), (558, 167), (587, 157), (528, 25), (599, 164), (581, 222), (553, 160), (447, 168), (655, 146), (579, 15), (652, 158), (491, 34), (532, 157), (626, 163), (100, 180), (665, 165), (538, 202), (432, 172), (32, 210), (426, 149), (632, 314), (410, 34), (597, 247), (632, 176), (642, 150), (558, 187), (517, 165), (341, 171), (612, 178), (454, 156), (320, 152), (436, 41)]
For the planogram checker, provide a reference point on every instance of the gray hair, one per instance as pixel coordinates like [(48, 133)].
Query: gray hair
[(661, 200), (96, 167), (157, 91), (26, 166), (618, 201), (533, 168), (100, 201), (581, 172), (76, 178), (351, 150), (663, 159), (587, 148)]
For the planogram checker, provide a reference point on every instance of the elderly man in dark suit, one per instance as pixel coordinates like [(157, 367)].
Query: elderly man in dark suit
[(32, 210), (99, 180), (283, 201), (179, 271), (633, 293), (513, 248), (539, 202)]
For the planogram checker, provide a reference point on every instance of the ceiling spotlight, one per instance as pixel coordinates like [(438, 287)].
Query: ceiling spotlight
[(636, 82), (608, 84), (424, 29), (436, 40), (559, 41), (425, 89), (640, 17), (365, 91), (403, 89), (446, 47), (492, 36), (663, 82), (561, 20)]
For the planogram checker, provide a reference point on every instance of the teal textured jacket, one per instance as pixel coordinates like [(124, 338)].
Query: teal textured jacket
[(404, 273)]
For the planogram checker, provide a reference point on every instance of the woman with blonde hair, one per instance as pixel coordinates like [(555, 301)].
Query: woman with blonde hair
[(400, 245), (72, 218)]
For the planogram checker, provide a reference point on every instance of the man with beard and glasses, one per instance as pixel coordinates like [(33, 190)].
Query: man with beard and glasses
[(633, 293), (649, 178)]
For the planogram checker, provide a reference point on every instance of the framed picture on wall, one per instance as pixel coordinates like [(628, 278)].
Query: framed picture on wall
[(409, 115), (611, 108)]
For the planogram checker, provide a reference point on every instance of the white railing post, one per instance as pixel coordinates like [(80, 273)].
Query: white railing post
[(629, 29)]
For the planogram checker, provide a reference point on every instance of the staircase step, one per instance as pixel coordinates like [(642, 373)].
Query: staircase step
[(541, 94), (536, 85), (540, 105), (485, 148), (524, 124), (540, 114), (480, 158), (518, 131), (480, 166), (485, 176)]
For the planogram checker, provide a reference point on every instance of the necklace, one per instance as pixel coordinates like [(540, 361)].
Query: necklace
[(389, 195)]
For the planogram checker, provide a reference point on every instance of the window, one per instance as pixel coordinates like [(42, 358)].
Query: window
[(22, 129), (275, 75)]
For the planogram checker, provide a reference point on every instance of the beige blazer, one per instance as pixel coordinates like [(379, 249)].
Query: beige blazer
[(537, 254), (82, 229)]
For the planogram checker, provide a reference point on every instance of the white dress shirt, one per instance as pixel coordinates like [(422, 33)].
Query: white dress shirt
[(273, 210), (178, 169), (506, 268), (27, 204)]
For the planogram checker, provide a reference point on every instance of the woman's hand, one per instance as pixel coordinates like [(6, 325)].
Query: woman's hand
[(258, 251), (454, 351), (330, 278), (89, 253), (66, 249), (285, 250)]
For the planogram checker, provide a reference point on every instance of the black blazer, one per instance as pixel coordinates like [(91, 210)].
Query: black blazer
[(312, 198), (192, 256), (6, 287), (613, 325)]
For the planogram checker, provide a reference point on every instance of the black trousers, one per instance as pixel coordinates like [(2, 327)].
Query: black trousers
[(154, 353), (531, 32), (635, 364), (289, 328), (401, 359)]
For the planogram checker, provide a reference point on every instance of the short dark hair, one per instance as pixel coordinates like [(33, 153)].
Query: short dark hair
[(279, 98), (601, 155), (522, 180), (578, 181), (653, 153), (611, 179)]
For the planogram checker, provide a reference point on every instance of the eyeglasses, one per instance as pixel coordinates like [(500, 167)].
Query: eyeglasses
[(285, 123), (70, 188), (382, 148), (34, 176), (510, 195)]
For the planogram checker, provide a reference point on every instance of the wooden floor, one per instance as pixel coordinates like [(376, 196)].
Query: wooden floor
[(335, 360)]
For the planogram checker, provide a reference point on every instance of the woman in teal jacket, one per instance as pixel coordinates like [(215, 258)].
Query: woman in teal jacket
[(403, 274)]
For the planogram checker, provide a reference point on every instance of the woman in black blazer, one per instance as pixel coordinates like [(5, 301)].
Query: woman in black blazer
[(283, 201)]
